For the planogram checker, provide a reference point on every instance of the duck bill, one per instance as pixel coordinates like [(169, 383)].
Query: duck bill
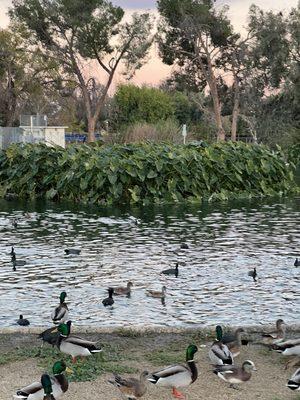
[(69, 370)]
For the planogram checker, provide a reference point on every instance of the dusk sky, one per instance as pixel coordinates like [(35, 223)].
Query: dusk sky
[(155, 71)]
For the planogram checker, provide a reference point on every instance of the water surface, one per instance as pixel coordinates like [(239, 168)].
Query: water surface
[(225, 242)]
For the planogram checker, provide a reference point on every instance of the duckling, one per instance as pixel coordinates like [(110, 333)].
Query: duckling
[(233, 341), (219, 354), (171, 271), (22, 321), (276, 336), (253, 274), (73, 251), (48, 388), (74, 345), (233, 374), (297, 263), (294, 382), (131, 388), (157, 293), (120, 290), (109, 301), (178, 375), (61, 313)]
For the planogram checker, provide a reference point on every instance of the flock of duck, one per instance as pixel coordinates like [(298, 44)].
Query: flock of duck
[(222, 353)]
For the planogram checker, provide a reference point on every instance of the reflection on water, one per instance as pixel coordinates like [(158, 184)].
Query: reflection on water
[(225, 242)]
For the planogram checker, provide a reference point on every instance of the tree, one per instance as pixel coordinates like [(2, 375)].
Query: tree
[(23, 75), (193, 34), (83, 34)]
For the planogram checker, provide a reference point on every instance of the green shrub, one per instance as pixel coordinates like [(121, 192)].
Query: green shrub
[(144, 172)]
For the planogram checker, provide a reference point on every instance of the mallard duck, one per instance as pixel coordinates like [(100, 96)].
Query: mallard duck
[(233, 374), (297, 263), (294, 382), (253, 274), (277, 336), (109, 301), (22, 321), (61, 313), (51, 335), (74, 345), (131, 388), (73, 251), (219, 353), (233, 341), (171, 271), (119, 290), (55, 386), (178, 375), (157, 293)]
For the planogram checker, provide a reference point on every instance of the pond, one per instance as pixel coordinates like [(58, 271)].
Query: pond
[(225, 241)]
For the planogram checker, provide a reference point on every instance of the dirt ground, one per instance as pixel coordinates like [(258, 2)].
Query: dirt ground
[(268, 383)]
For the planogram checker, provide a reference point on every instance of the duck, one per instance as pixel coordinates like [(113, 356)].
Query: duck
[(184, 246), (219, 353), (233, 341), (51, 335), (294, 381), (277, 336), (120, 290), (178, 375), (109, 301), (171, 271), (55, 386), (297, 263), (253, 274), (289, 348), (12, 252), (234, 374), (74, 345), (14, 223), (22, 321), (73, 251), (17, 263), (157, 293), (61, 313), (131, 388)]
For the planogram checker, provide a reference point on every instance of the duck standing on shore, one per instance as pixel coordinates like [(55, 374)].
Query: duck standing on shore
[(294, 381), (61, 313), (276, 336), (53, 387), (219, 353), (233, 374), (131, 388), (178, 375), (74, 345), (233, 341)]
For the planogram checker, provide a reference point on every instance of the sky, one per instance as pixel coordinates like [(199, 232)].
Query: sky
[(155, 71)]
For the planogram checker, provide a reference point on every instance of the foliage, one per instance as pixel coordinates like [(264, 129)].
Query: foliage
[(168, 131), (145, 104), (144, 172)]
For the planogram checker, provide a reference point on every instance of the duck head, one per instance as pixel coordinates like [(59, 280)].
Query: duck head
[(129, 285), (190, 352), (60, 367), (63, 329), (249, 366), (62, 297)]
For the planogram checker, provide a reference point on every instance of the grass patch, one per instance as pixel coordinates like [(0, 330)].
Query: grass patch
[(165, 357), (110, 361)]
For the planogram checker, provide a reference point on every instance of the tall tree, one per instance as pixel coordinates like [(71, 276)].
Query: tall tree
[(194, 32), (87, 39)]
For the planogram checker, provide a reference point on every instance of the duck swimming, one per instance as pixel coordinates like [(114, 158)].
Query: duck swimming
[(253, 274), (131, 388), (74, 345), (22, 321), (17, 263), (297, 263), (157, 293), (171, 271), (109, 301), (55, 386), (72, 251), (178, 375), (61, 313), (120, 290)]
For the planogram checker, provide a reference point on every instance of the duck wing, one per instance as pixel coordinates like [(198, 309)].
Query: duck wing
[(170, 371), (288, 344), (222, 353), (59, 312), (27, 390), (49, 336), (228, 338), (82, 342)]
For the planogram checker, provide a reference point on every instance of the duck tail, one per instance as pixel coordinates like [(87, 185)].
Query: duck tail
[(20, 396), (153, 379), (96, 351), (293, 385)]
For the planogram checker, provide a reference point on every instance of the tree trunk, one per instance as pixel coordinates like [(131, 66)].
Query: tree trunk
[(236, 109), (91, 129), (217, 111)]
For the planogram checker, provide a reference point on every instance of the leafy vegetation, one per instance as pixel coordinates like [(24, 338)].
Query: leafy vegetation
[(144, 172)]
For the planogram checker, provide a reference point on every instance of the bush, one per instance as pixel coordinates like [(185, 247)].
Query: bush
[(163, 131), (144, 172)]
